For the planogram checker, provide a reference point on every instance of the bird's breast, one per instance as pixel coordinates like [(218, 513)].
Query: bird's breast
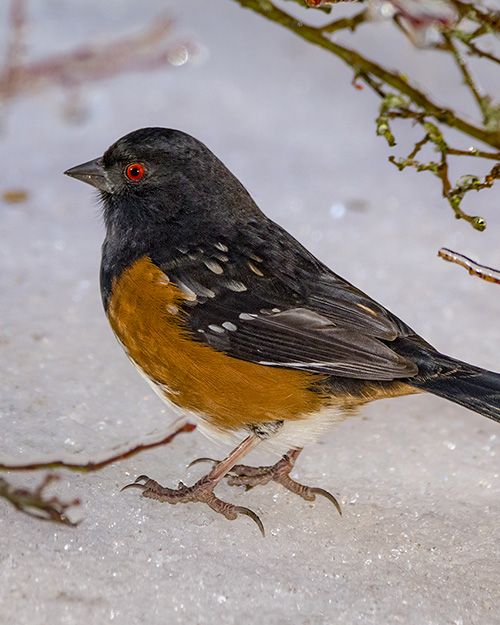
[(147, 314)]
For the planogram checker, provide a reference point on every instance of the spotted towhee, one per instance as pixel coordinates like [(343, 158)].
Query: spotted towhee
[(232, 321)]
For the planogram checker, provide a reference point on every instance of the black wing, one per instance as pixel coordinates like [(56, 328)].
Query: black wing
[(264, 298)]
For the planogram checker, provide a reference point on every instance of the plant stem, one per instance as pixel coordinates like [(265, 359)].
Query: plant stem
[(362, 66)]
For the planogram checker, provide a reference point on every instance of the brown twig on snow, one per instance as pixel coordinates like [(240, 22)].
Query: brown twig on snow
[(181, 425), (34, 504)]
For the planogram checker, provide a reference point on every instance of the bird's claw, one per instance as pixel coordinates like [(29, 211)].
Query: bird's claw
[(201, 492), (198, 460), (253, 516), (329, 496), (135, 483)]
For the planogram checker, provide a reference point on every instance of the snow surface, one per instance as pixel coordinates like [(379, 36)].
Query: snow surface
[(418, 478)]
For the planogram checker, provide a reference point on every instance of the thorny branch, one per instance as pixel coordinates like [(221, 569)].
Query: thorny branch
[(454, 27)]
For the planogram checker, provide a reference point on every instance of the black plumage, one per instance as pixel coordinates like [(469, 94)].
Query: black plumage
[(256, 293), (196, 281)]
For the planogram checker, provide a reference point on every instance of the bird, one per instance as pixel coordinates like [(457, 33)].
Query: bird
[(236, 324)]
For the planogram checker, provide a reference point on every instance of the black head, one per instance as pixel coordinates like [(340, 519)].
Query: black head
[(156, 176), (162, 189)]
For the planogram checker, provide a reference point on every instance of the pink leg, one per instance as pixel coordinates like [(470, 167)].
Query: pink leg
[(243, 475)]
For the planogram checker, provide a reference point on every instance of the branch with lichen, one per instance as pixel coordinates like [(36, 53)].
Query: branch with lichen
[(457, 30)]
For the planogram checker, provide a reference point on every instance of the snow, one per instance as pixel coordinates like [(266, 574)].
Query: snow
[(417, 478)]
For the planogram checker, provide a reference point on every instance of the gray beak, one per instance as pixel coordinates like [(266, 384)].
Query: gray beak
[(92, 173)]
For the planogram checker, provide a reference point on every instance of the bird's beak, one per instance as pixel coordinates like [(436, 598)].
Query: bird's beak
[(92, 173)]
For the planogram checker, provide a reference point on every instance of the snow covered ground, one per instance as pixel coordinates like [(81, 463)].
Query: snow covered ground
[(417, 478)]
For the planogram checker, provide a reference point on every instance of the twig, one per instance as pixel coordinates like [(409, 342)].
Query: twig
[(362, 65), (470, 11), (346, 23), (16, 33), (495, 156), (481, 271), (418, 146), (469, 81), (181, 426), (454, 194), (35, 505), (321, 3), (148, 50), (474, 50), (402, 99), (92, 63)]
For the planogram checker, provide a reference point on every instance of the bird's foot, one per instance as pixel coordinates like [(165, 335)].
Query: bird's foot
[(247, 476), (201, 491)]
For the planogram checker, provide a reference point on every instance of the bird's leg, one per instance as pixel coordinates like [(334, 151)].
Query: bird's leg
[(243, 475), (202, 490)]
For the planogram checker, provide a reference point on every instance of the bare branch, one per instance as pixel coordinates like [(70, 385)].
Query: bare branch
[(34, 504), (403, 99), (148, 50), (180, 426), (481, 271)]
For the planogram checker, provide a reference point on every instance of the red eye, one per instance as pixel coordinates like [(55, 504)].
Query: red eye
[(135, 171)]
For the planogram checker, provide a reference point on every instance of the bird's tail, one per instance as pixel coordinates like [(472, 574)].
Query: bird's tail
[(472, 387), (464, 384)]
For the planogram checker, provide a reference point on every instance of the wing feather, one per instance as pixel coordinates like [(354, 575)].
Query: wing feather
[(293, 312)]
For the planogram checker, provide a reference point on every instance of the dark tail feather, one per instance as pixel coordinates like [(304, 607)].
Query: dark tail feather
[(464, 384)]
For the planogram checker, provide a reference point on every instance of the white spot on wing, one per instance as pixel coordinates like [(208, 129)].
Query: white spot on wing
[(234, 285), (202, 290), (213, 265), (229, 326), (163, 279), (216, 328), (247, 316), (254, 269), (189, 293), (222, 247)]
